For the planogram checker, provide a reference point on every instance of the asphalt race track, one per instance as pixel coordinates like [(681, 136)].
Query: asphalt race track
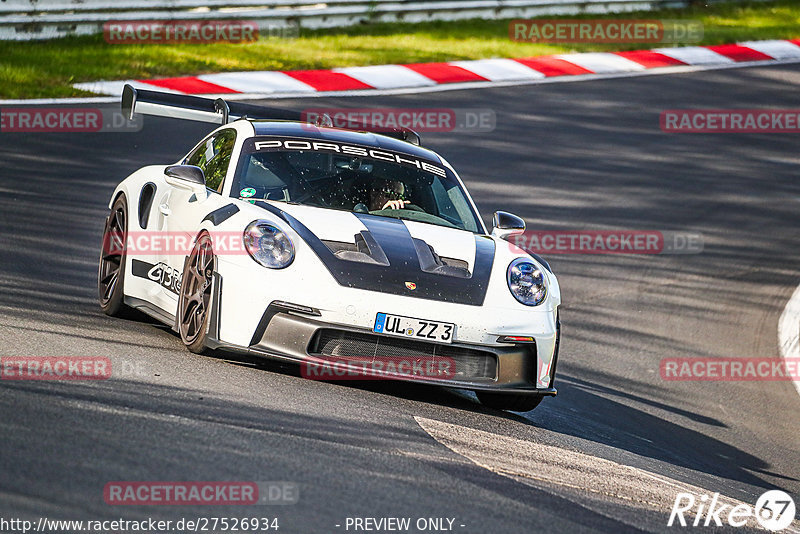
[(587, 155)]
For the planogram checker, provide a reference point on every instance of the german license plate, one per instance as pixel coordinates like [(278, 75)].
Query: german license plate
[(408, 327)]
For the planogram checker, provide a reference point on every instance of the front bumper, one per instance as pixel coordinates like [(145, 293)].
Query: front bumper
[(298, 334)]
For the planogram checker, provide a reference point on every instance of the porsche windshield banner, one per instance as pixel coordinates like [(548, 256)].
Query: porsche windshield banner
[(277, 145)]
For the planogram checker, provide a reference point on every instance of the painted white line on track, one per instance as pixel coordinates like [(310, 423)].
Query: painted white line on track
[(428, 89), (544, 466), (789, 330)]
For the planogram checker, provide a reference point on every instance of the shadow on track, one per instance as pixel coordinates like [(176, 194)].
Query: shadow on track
[(119, 430)]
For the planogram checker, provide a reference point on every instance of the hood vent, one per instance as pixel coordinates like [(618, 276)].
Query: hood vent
[(431, 262), (365, 249)]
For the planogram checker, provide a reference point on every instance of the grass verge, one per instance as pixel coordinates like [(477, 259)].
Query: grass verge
[(43, 69)]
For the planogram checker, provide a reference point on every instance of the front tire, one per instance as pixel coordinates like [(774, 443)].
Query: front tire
[(509, 401), (111, 271), (195, 296)]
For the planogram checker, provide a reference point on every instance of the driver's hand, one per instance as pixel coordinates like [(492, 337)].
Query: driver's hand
[(395, 204)]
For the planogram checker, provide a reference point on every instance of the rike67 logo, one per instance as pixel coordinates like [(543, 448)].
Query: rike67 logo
[(774, 511)]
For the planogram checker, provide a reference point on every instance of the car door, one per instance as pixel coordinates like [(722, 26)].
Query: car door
[(182, 210)]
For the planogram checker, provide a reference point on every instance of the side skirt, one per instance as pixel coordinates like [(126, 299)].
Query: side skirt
[(150, 309)]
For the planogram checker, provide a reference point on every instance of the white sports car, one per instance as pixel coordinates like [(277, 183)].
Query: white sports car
[(353, 253)]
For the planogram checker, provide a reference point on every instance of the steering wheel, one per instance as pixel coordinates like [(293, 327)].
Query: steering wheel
[(320, 194), (409, 207), (414, 207)]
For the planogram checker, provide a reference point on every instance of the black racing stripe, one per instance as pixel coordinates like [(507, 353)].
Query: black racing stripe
[(404, 265), (392, 236)]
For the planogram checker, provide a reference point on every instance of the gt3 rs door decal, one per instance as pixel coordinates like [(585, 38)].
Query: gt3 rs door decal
[(160, 273)]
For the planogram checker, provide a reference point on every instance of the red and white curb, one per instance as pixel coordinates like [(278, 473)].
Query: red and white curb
[(483, 71)]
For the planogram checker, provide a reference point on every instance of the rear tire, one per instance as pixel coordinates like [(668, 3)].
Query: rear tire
[(111, 271), (195, 296), (509, 401)]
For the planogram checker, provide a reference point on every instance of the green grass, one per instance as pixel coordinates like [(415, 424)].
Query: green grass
[(48, 68)]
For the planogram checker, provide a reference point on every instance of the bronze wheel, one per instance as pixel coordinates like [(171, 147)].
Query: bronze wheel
[(111, 271), (195, 295)]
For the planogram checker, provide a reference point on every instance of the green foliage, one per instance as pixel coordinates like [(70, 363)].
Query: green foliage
[(49, 68)]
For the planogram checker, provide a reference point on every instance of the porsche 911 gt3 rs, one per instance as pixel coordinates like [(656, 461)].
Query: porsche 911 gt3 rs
[(329, 247)]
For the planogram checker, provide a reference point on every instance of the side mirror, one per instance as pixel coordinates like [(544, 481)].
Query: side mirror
[(187, 177), (505, 225)]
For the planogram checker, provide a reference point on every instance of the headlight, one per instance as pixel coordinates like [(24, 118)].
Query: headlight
[(268, 245), (526, 282)]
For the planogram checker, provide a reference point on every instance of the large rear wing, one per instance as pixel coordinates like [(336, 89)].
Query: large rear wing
[(220, 111)]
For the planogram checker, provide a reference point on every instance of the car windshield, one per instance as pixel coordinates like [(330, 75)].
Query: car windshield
[(354, 178)]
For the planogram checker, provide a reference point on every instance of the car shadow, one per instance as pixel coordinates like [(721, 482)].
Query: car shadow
[(589, 411)]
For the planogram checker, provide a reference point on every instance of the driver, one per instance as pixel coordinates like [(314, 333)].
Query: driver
[(387, 195)]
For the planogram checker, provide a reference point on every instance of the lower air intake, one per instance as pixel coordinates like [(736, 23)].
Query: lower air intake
[(343, 345)]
